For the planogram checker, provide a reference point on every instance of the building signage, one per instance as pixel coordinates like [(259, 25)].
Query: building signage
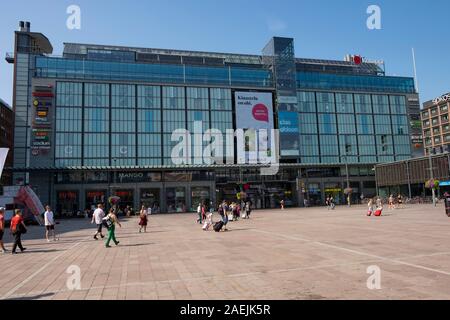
[(358, 60), (254, 110), (288, 122), (289, 129), (254, 116), (444, 98), (287, 100), (138, 177), (43, 100)]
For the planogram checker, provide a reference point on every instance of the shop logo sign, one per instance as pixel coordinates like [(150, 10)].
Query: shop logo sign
[(261, 113)]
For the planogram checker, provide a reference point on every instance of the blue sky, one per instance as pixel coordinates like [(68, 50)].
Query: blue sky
[(327, 29)]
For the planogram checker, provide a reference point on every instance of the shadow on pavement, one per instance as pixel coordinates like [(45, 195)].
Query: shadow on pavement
[(40, 296)]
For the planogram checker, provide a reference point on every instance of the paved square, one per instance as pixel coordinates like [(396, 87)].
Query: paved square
[(292, 254)]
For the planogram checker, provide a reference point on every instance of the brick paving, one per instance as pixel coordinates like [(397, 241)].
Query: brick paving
[(293, 254)]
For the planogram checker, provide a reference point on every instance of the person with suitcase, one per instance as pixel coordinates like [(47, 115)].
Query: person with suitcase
[(221, 224)]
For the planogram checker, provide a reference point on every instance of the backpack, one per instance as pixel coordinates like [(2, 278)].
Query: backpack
[(107, 222)]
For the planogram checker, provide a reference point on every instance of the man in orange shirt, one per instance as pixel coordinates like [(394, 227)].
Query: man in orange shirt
[(17, 227), (2, 229)]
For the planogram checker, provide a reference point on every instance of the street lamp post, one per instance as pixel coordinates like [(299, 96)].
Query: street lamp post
[(430, 161)]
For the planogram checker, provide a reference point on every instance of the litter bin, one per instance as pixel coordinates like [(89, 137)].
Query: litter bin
[(447, 205)]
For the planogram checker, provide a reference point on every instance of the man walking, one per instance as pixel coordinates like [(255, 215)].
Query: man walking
[(17, 228), (49, 222), (2, 229), (97, 217)]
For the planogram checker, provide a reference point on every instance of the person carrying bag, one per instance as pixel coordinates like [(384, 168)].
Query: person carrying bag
[(18, 228)]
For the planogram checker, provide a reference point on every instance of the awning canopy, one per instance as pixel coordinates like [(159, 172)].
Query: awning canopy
[(182, 167)]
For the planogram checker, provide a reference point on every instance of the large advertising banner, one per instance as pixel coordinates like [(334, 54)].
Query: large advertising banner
[(254, 110), (289, 130), (3, 155), (254, 117)]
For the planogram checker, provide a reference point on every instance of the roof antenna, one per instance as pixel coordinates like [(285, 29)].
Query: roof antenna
[(415, 70)]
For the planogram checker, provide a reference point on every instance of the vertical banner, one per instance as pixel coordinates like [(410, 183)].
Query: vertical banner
[(3, 155), (254, 115)]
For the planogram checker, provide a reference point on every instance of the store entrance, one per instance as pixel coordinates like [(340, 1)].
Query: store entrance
[(126, 200), (67, 204), (261, 196), (150, 198)]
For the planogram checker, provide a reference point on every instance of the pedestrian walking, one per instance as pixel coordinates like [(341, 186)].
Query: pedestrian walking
[(143, 220), (199, 213), (97, 218), (18, 228), (2, 229), (370, 207), (248, 210), (49, 222), (203, 212), (400, 201), (111, 220), (391, 202), (379, 202), (224, 217), (327, 203), (282, 204), (331, 203)]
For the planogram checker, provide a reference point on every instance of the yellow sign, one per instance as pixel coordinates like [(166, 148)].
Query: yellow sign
[(333, 190), (36, 103)]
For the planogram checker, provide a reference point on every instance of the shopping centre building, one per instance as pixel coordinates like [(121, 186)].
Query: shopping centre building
[(98, 121)]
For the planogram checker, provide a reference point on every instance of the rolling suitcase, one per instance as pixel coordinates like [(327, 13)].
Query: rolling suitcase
[(218, 226)]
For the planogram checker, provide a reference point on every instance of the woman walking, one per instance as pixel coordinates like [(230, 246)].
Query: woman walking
[(18, 228), (247, 210), (111, 221), (203, 212), (391, 202), (143, 220), (199, 213), (370, 205), (2, 229)]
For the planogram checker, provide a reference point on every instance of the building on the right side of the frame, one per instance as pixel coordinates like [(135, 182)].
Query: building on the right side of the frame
[(436, 125), (409, 177), (6, 138)]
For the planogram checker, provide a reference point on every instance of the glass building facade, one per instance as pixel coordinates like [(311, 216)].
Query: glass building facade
[(113, 112)]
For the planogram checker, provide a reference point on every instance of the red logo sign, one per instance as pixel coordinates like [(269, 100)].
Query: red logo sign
[(261, 112), (357, 60)]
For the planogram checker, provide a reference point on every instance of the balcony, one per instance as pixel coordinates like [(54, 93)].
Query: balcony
[(9, 57)]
